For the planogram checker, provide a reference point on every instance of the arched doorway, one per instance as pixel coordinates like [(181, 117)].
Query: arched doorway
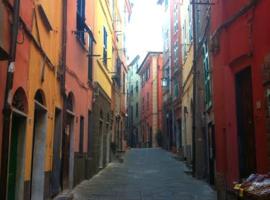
[(38, 148), (17, 146)]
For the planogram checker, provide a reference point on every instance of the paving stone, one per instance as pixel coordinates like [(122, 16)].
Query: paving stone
[(145, 174)]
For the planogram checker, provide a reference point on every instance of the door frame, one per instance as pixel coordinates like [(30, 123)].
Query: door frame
[(43, 109), (22, 115), (239, 118)]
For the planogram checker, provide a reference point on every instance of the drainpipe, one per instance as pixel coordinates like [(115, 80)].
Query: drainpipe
[(63, 79), (7, 100), (194, 88)]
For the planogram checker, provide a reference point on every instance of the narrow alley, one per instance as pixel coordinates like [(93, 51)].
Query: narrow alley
[(145, 174), (134, 100)]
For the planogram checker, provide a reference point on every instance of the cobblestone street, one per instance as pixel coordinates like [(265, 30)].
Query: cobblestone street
[(145, 174)]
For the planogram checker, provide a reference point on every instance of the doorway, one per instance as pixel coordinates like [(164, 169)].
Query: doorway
[(150, 138), (67, 155), (16, 157), (56, 168), (245, 123), (101, 145), (38, 149), (211, 153), (16, 154)]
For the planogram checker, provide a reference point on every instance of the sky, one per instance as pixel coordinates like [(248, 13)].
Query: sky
[(144, 33)]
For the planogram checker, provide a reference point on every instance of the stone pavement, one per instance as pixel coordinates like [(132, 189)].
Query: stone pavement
[(145, 174)]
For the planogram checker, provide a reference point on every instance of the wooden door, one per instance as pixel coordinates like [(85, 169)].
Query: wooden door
[(56, 167), (245, 123), (66, 151)]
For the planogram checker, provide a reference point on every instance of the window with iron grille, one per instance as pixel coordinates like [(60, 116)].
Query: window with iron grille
[(80, 20)]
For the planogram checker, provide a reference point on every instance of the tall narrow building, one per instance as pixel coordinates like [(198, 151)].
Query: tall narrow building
[(187, 80), (32, 98), (240, 46), (167, 117), (150, 72), (78, 44), (133, 104)]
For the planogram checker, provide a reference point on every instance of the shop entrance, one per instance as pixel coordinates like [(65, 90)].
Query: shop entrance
[(245, 123)]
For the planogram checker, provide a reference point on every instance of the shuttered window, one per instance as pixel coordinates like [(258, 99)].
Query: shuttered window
[(207, 76), (80, 20), (105, 46)]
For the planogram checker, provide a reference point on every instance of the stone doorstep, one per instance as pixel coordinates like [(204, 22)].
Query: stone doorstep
[(65, 195)]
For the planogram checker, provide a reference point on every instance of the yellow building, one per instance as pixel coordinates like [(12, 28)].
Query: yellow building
[(102, 83), (44, 98), (187, 80), (108, 78)]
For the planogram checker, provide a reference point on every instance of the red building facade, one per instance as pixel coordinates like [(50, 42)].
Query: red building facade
[(150, 72), (240, 46), (78, 88)]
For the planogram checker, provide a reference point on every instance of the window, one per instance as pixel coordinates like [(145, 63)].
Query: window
[(81, 134), (175, 26), (143, 104), (124, 84), (148, 101), (131, 90), (268, 100), (148, 73), (80, 20), (118, 71), (176, 89), (176, 53), (207, 76), (131, 114), (137, 110), (90, 58), (190, 32), (137, 86), (105, 46)]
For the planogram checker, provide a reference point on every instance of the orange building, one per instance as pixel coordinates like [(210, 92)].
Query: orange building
[(32, 99), (150, 72), (78, 20)]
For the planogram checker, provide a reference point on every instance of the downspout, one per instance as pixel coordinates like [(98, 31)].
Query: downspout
[(194, 70), (7, 99), (63, 78)]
